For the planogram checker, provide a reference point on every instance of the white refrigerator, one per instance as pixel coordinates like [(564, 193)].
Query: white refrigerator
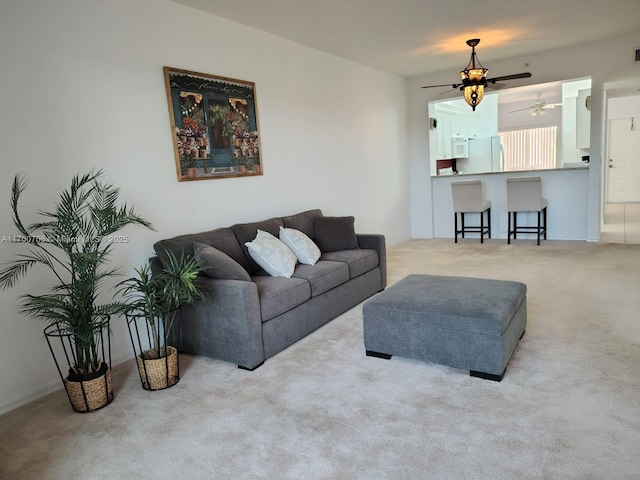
[(485, 155)]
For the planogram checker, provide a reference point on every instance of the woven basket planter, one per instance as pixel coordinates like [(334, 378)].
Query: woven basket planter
[(90, 392), (90, 395), (158, 373)]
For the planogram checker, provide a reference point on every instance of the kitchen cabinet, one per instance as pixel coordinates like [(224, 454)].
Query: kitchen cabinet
[(443, 135), (583, 120), (452, 132), (459, 125)]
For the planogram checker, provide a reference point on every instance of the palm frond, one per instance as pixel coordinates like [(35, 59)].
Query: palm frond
[(19, 185), (10, 275)]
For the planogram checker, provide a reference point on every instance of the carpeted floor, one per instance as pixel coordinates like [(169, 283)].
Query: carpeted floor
[(568, 407)]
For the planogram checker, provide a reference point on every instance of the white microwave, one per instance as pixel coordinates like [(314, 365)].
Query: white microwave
[(459, 147)]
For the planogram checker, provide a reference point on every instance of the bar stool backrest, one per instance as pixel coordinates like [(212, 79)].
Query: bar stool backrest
[(468, 196), (524, 194)]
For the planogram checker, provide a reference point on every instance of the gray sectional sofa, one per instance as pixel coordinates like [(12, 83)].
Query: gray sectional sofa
[(246, 319)]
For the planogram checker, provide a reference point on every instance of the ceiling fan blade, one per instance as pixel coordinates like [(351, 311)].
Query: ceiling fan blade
[(523, 109), (509, 77), (451, 85), (553, 105)]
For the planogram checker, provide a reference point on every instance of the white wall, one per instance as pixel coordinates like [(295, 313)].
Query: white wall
[(602, 61), (624, 107), (82, 87)]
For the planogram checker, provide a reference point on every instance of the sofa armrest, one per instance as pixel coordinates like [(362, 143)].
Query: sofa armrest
[(226, 325), (376, 242)]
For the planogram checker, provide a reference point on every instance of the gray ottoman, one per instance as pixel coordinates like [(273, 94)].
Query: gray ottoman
[(468, 323)]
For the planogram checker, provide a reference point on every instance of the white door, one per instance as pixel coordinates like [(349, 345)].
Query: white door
[(623, 161)]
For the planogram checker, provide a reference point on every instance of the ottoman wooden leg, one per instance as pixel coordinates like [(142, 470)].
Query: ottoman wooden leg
[(487, 376), (371, 353)]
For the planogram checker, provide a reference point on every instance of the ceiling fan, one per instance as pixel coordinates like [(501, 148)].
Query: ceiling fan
[(538, 107), (474, 79)]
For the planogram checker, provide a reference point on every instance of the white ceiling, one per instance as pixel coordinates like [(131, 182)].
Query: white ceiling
[(415, 37)]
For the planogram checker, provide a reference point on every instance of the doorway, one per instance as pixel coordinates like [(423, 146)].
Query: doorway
[(623, 160)]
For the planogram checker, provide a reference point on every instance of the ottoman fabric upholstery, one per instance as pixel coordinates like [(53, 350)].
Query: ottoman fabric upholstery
[(467, 323)]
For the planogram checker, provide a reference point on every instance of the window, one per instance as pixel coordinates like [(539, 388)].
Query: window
[(529, 148)]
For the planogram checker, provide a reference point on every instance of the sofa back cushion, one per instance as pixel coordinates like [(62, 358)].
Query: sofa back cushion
[(303, 221), (246, 232), (217, 264), (335, 233), (221, 238)]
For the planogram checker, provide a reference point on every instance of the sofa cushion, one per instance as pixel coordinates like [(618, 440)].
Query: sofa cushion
[(246, 232), (335, 233), (278, 295), (323, 276), (272, 255), (303, 221), (305, 250), (359, 261), (221, 238), (217, 264)]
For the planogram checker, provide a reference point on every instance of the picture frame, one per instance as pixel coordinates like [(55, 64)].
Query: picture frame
[(214, 125)]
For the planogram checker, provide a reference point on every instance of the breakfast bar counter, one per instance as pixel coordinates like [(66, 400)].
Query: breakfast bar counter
[(566, 190)]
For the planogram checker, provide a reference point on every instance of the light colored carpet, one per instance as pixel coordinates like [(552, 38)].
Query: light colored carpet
[(568, 407)]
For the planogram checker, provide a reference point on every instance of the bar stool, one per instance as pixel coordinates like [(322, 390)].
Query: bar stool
[(468, 197), (524, 194)]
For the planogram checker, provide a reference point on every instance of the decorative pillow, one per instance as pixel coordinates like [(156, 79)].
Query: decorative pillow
[(303, 247), (217, 264), (335, 233), (272, 255)]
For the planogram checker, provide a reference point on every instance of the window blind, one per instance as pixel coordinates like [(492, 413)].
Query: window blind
[(529, 149)]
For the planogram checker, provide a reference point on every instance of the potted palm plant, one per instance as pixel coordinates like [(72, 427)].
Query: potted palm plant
[(74, 242), (153, 301)]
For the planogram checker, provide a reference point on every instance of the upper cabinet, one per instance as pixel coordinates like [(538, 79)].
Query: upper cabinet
[(459, 125), (452, 132), (583, 119), (443, 131)]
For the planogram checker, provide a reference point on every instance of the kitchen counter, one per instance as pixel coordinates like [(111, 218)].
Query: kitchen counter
[(566, 190), (529, 172)]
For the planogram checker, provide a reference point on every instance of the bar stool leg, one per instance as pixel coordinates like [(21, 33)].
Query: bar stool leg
[(544, 212), (481, 227), (538, 227), (462, 219), (515, 225), (489, 221), (455, 226), (509, 228)]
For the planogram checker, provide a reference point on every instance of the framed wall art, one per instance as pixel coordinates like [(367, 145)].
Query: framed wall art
[(214, 125)]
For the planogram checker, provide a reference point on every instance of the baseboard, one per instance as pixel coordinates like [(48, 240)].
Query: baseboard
[(398, 242), (37, 394), (50, 387), (424, 237)]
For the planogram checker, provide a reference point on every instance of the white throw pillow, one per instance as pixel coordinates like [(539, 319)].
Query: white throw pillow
[(272, 255), (304, 248)]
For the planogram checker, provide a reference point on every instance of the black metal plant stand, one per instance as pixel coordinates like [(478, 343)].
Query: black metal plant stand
[(158, 368), (88, 392)]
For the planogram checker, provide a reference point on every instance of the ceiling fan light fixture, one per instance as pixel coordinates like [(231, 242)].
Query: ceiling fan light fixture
[(473, 95), (474, 78), (474, 74)]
